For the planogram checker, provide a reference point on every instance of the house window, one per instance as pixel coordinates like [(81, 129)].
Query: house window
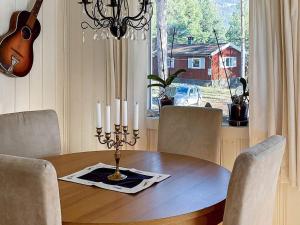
[(209, 72), (230, 62), (196, 63), (171, 62), (195, 49)]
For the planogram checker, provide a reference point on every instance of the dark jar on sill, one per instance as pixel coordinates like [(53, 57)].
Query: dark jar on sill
[(166, 101), (238, 114)]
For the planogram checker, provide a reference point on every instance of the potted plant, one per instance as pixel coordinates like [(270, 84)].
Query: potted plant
[(238, 109), (164, 84)]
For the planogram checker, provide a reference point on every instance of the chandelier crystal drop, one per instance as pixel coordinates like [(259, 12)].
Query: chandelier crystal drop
[(114, 16)]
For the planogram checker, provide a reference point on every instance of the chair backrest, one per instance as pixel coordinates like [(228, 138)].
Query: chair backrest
[(191, 131), (30, 134), (252, 187), (29, 192)]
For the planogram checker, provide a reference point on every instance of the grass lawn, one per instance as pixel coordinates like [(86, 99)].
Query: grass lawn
[(217, 97)]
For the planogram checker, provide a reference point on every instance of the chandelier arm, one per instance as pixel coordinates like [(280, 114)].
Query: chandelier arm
[(106, 21), (100, 12), (87, 12), (139, 14), (114, 12), (140, 25), (96, 22), (119, 9), (135, 25), (85, 25), (126, 5)]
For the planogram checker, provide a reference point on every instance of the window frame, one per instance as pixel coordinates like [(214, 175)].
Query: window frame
[(233, 62), (202, 62), (171, 63)]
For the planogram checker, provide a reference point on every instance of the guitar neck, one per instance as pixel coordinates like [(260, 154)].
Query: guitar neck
[(34, 13), (36, 8)]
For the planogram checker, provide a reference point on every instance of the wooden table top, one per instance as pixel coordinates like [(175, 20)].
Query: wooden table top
[(196, 191)]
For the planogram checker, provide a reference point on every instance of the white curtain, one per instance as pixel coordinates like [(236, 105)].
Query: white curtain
[(275, 77), (117, 69)]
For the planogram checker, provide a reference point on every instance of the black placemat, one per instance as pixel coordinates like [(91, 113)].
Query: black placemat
[(100, 175)]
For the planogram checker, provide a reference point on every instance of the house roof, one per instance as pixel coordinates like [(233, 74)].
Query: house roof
[(199, 49)]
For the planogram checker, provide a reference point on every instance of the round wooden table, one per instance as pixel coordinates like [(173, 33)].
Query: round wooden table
[(194, 194)]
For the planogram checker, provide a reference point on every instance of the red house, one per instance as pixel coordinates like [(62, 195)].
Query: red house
[(203, 61)]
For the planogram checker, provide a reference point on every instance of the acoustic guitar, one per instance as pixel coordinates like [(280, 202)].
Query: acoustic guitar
[(16, 46)]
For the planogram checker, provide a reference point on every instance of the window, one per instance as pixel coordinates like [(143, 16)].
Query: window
[(171, 62), (196, 63), (209, 72), (230, 62), (195, 49)]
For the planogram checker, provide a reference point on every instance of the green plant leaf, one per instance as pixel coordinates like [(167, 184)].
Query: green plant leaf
[(171, 78), (156, 85), (178, 72), (157, 78)]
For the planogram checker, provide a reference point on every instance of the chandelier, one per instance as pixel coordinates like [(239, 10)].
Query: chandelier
[(114, 16)]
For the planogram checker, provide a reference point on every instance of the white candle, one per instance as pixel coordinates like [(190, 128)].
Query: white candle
[(108, 130), (136, 117), (125, 106), (117, 111), (99, 119)]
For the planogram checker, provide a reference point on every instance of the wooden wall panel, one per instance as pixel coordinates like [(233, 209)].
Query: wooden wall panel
[(49, 54), (23, 84), (36, 75), (39, 89), (76, 77), (7, 85)]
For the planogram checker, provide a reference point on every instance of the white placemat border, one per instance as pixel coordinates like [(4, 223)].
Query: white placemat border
[(142, 186)]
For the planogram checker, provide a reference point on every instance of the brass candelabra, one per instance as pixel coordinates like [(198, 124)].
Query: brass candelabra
[(120, 138)]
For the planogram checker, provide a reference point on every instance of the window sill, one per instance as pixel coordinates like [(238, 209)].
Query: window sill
[(152, 124)]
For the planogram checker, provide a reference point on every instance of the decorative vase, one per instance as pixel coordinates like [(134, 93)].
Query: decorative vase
[(238, 114)]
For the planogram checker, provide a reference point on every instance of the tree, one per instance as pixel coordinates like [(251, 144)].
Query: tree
[(238, 32), (185, 17), (162, 37), (234, 34), (211, 20), (196, 18)]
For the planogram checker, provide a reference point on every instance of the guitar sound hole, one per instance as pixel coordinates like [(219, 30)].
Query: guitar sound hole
[(26, 33)]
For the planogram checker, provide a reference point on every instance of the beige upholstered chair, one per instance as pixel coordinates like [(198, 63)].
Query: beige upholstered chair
[(191, 131), (30, 134), (29, 192), (252, 187)]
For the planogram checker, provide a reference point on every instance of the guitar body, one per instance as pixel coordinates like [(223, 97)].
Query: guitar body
[(16, 46)]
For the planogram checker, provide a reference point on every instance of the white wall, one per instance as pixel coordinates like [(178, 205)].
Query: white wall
[(43, 87)]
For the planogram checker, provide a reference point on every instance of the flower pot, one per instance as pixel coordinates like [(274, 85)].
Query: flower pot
[(238, 114), (166, 101)]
